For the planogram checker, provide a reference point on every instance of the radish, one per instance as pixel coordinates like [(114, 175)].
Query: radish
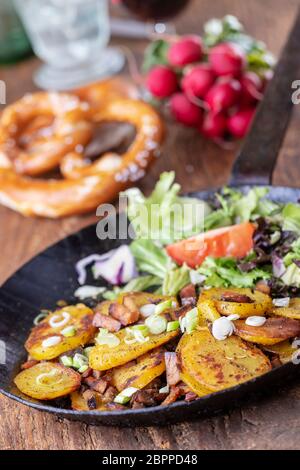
[(227, 59), (239, 123), (186, 50), (223, 95), (214, 126), (184, 111), (252, 86), (162, 82), (198, 80)]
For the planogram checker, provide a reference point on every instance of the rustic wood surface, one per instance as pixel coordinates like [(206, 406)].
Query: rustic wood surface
[(271, 423)]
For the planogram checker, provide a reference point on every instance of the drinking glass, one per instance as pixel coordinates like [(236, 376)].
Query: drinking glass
[(14, 44), (70, 36)]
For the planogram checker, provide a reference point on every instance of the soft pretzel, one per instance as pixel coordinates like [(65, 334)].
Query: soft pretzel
[(85, 184), (70, 128)]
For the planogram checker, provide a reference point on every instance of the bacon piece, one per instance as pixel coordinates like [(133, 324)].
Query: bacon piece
[(237, 298), (105, 321), (172, 368), (90, 399), (123, 314), (188, 295), (29, 364)]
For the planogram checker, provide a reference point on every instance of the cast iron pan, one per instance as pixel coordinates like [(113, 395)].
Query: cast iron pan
[(51, 275)]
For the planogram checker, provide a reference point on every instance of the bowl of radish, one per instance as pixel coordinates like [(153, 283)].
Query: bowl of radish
[(213, 82)]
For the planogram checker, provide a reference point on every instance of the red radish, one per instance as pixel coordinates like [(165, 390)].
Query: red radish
[(162, 81), (227, 59), (252, 86), (239, 124), (214, 126), (198, 81), (223, 95), (185, 51), (184, 111)]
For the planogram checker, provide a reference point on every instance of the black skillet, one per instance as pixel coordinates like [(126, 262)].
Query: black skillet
[(51, 275)]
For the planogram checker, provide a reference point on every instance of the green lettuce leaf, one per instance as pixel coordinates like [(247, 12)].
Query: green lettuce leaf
[(175, 280), (224, 272), (291, 217), (150, 258), (164, 216), (292, 276)]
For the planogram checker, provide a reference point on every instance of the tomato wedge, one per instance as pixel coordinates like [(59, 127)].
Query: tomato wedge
[(236, 241)]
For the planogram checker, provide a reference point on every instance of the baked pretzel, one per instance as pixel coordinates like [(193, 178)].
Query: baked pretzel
[(36, 152), (85, 184)]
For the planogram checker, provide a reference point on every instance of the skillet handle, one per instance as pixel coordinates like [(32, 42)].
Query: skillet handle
[(257, 159)]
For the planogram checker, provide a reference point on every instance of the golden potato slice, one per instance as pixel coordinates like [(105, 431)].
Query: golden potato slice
[(134, 299), (141, 372), (103, 357), (47, 380), (274, 331), (285, 350), (207, 311), (217, 365), (242, 302), (78, 403), (292, 311), (46, 342), (194, 385)]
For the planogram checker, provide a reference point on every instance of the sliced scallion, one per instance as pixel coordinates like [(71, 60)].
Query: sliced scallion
[(67, 361), (173, 325), (40, 318), (163, 306), (107, 339), (165, 389), (69, 331), (156, 324), (191, 320), (125, 396), (79, 360)]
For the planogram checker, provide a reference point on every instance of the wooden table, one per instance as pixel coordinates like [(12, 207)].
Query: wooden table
[(272, 423)]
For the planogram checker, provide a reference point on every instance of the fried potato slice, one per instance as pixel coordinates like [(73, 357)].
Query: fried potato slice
[(78, 403), (194, 385), (243, 302), (47, 380), (141, 372), (207, 311), (134, 298), (274, 331), (103, 357), (79, 316), (217, 365), (292, 311), (285, 350)]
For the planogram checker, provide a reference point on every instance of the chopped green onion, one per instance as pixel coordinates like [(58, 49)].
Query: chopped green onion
[(165, 389), (79, 360), (106, 338), (163, 306), (40, 318), (156, 324), (67, 361), (191, 320), (125, 396), (82, 369), (173, 325), (136, 334), (69, 331), (87, 351)]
